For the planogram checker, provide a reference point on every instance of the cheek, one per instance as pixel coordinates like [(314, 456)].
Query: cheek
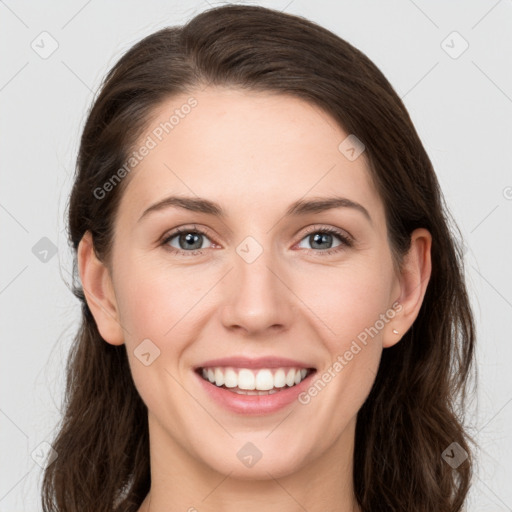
[(357, 310), (154, 301), (156, 308), (160, 310), (346, 301)]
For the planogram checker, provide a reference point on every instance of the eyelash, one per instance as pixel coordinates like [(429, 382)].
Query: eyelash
[(346, 241)]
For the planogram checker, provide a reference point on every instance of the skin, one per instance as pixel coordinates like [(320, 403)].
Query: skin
[(254, 153)]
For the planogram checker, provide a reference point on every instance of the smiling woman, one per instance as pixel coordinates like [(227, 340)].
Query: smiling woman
[(274, 308)]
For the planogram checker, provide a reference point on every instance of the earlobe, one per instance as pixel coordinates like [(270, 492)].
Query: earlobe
[(417, 269), (99, 292)]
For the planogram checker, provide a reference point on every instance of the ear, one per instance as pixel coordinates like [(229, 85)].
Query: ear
[(99, 292), (413, 283)]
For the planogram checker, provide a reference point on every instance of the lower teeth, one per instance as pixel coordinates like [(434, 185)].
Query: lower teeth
[(261, 393), (252, 392)]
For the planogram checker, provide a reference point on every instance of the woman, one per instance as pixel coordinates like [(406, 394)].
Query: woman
[(227, 357)]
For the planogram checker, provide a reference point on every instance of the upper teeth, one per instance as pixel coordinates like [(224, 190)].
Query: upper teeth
[(261, 380)]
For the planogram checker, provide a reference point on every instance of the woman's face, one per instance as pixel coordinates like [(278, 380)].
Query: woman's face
[(259, 288)]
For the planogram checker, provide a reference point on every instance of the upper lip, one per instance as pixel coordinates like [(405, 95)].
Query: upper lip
[(259, 362)]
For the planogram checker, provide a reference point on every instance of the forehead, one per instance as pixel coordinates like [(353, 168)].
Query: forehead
[(245, 150)]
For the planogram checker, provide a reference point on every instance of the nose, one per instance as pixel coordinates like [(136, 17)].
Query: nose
[(258, 299)]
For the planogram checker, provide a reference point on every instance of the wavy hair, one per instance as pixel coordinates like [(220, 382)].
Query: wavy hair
[(415, 409)]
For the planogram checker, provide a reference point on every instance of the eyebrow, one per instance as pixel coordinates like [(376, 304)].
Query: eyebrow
[(300, 207)]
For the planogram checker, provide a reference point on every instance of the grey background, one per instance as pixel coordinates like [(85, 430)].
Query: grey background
[(461, 106)]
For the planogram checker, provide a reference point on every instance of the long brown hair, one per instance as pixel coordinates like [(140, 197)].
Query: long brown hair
[(416, 406)]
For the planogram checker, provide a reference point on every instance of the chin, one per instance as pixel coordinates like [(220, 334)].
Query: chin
[(253, 460)]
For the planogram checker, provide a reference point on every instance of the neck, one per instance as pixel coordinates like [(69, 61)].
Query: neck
[(181, 482)]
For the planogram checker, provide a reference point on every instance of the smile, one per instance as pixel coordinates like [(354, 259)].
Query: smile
[(263, 381)]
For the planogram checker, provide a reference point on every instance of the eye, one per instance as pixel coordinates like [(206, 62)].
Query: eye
[(189, 241), (318, 236)]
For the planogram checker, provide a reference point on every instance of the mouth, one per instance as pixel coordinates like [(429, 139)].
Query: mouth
[(254, 381)]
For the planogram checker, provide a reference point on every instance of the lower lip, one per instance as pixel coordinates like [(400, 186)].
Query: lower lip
[(254, 404)]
